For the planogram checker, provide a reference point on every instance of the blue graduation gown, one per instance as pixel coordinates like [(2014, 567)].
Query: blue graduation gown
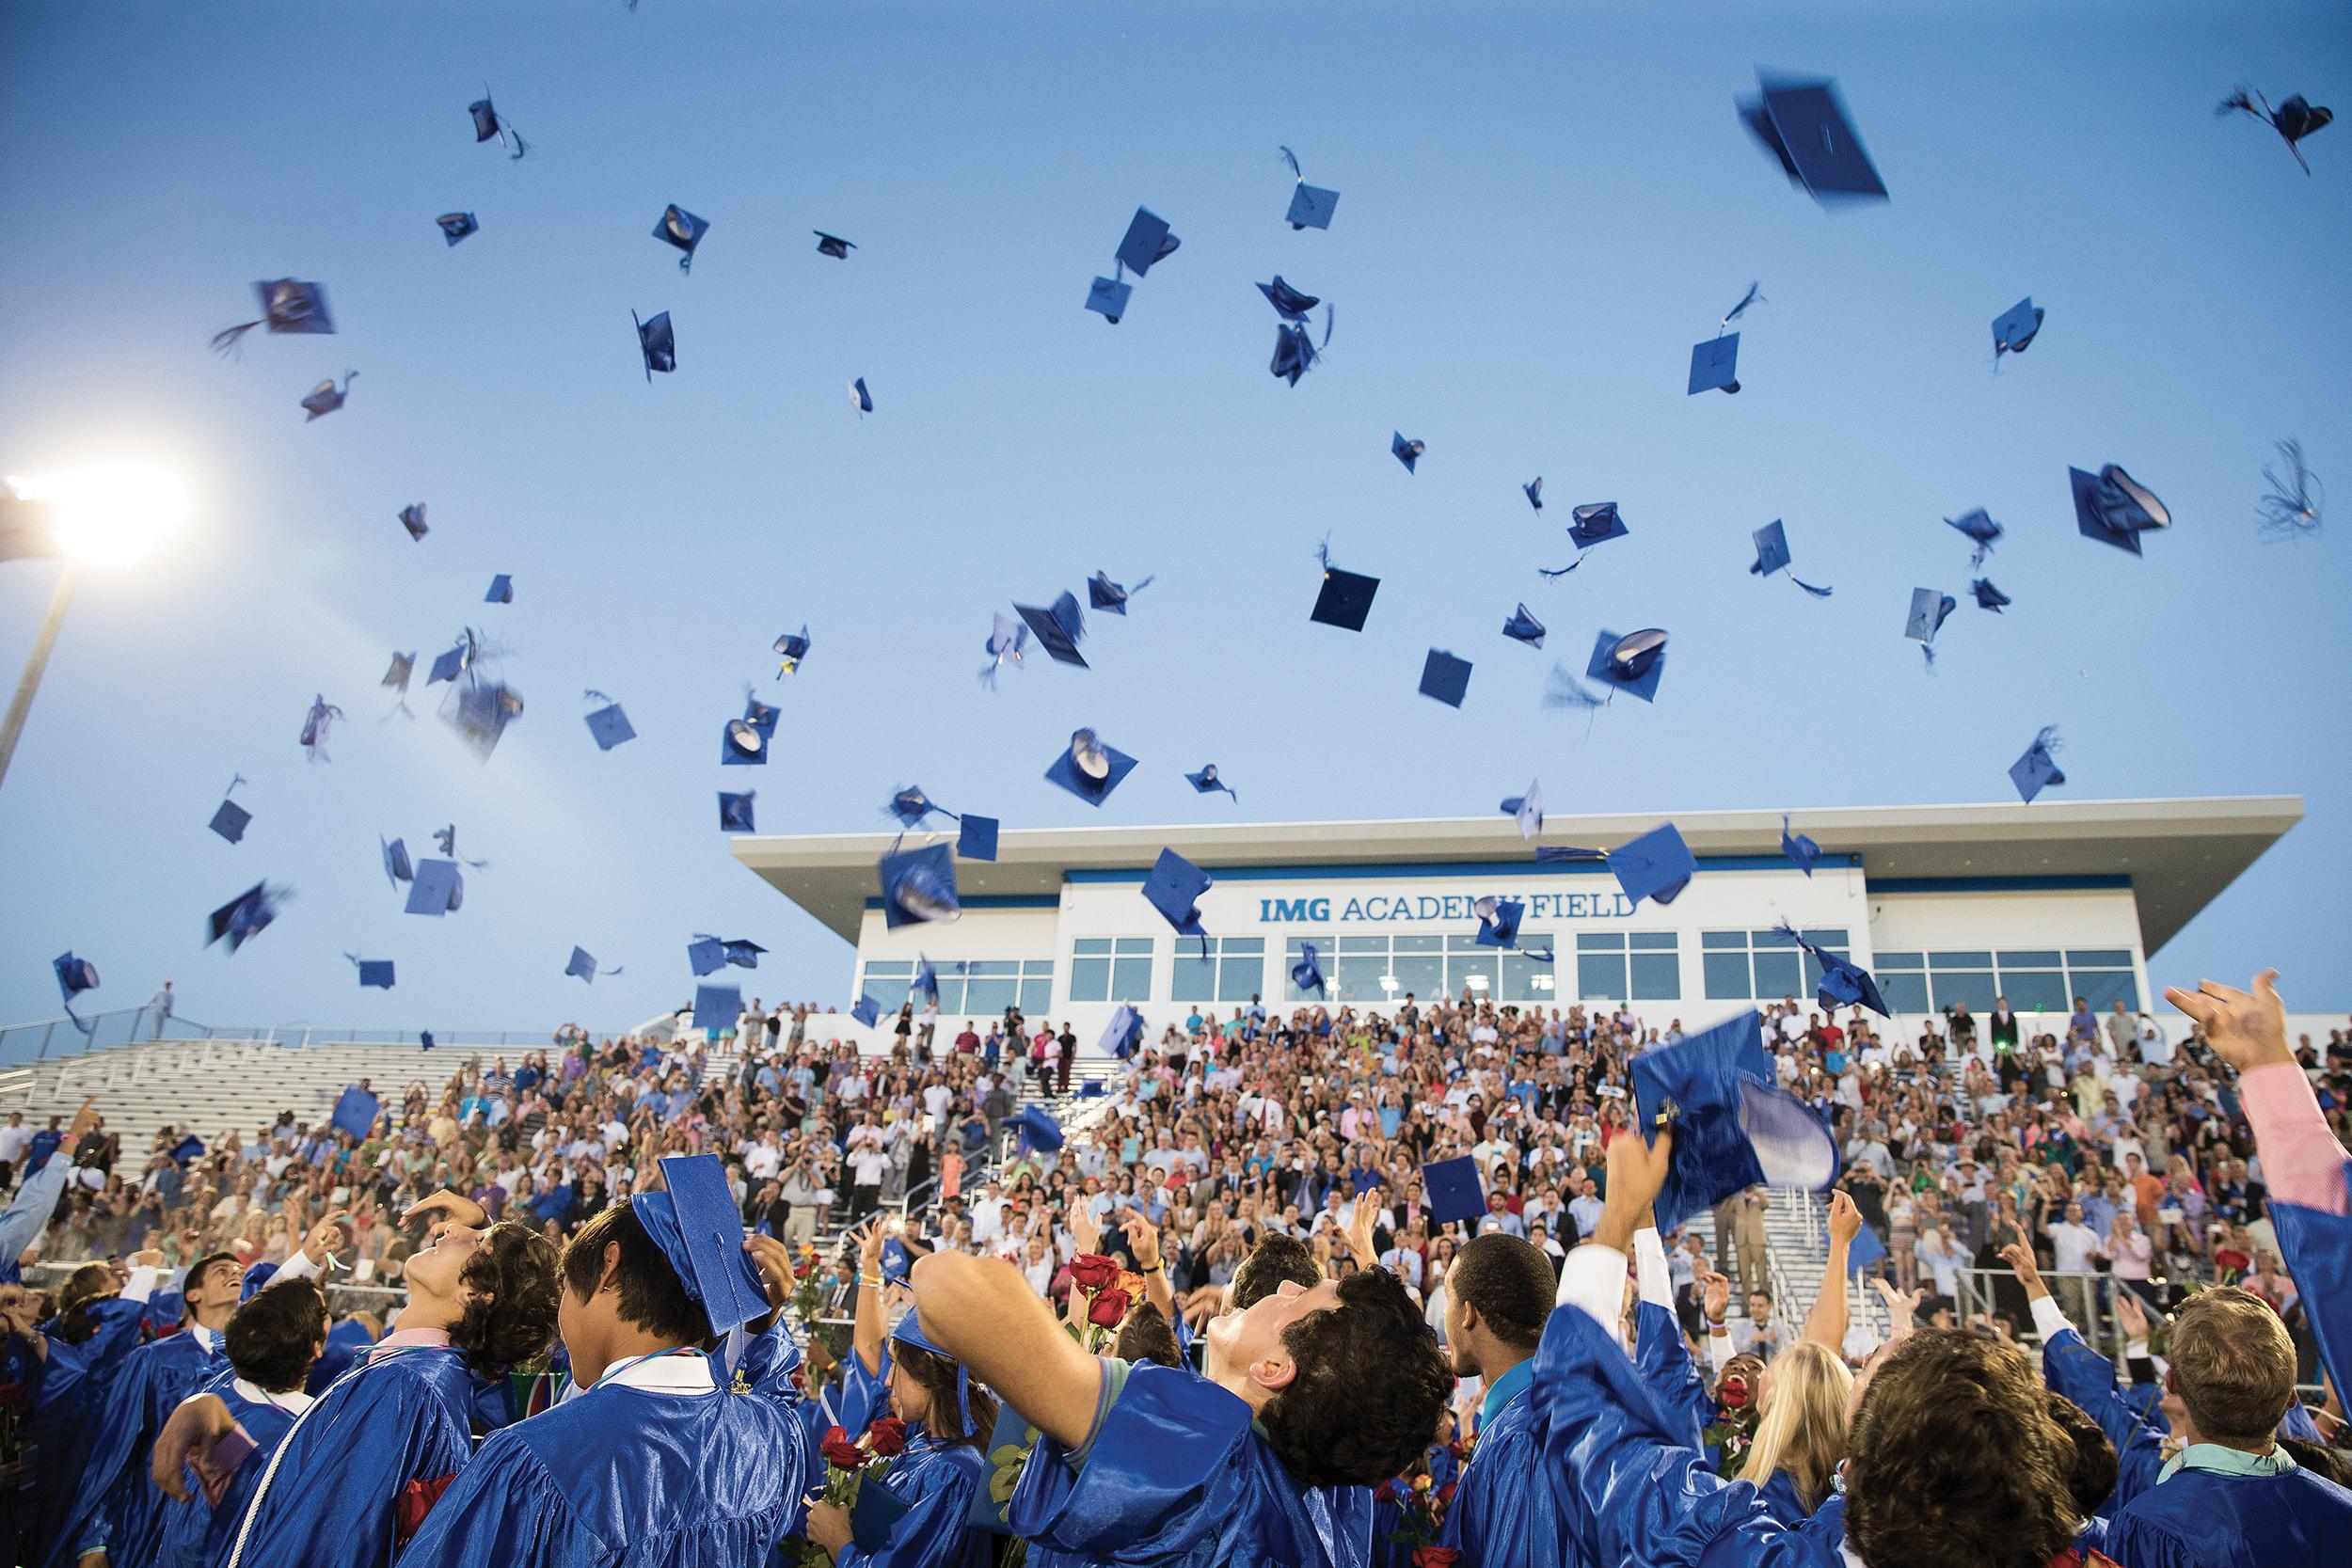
[(195, 1534), (620, 1475), (1664, 1362), (345, 1341), (2202, 1519), (61, 1425), (2087, 1379), (940, 1480), (2317, 1247), (1504, 1512), (116, 1506), (1178, 1476), (334, 1503)]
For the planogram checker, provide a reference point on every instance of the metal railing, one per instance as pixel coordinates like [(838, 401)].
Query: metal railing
[(59, 1039)]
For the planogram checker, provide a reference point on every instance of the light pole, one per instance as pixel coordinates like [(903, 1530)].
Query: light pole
[(22, 703)]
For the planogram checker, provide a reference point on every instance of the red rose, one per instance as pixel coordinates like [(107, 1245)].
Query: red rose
[(1109, 1309), (1091, 1270), (1435, 1557), (1385, 1492), (887, 1436), (1733, 1391), (840, 1452), (1445, 1493)]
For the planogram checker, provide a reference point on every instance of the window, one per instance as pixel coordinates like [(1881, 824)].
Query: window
[(1903, 978), (1603, 959), (1526, 979), (2033, 981), (1472, 968), (1295, 949), (887, 983), (1759, 966), (974, 987), (1960, 976), (1233, 970), (1110, 968), (1657, 965), (1383, 971), (2103, 977), (1600, 966)]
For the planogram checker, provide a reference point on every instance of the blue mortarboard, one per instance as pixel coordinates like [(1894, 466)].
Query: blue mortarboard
[(1988, 596), (866, 1010), (1288, 303), (926, 980), (657, 341), (1715, 365), (860, 399), (1929, 606), (744, 741), (1804, 126), (1406, 452), (1037, 1128), (186, 1149), (230, 820), (1524, 628), (1632, 662), (1344, 600), (1799, 847), (457, 226), (2014, 328), (326, 397), (2295, 118), (1596, 523), (1733, 1126), (1310, 205), (74, 976), (288, 304), (1207, 782), (1146, 241), (1498, 921), (1528, 809), (706, 954), (910, 806), (1534, 488), (717, 1006), (976, 838), (1121, 1034), (700, 1231), (412, 518), (397, 673), (1306, 973), (396, 864), (918, 885), (832, 245), (1089, 769), (1844, 983), (1455, 1195), (1107, 297), (683, 229), (791, 648), (1174, 888), (2116, 508), (1445, 678), (244, 917), (1102, 593), (501, 590), (874, 1515), (1771, 549), (355, 1111), (375, 971), (437, 890), (447, 666), (487, 124), (1865, 1251), (1058, 629), (610, 726), (2037, 770), (1658, 866), (1981, 530), (742, 952), (583, 964), (735, 812), (315, 725), (1295, 352)]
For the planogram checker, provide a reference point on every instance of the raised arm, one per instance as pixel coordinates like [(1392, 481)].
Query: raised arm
[(2302, 1162), (1143, 1240), (1826, 1324), (865, 1337), (2087, 1379), (983, 1312)]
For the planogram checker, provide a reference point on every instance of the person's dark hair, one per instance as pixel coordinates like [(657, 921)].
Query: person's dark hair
[(512, 1281), (275, 1337), (652, 1296), (2233, 1365), (1147, 1336), (1369, 1388), (2091, 1478), (1953, 1460), (2318, 1459), (1276, 1257), (937, 1375), (84, 1288), (1509, 1282)]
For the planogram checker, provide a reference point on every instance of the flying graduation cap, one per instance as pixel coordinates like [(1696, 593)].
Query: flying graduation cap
[(315, 725), (745, 743), (232, 819), (2037, 770), (1593, 523), (1929, 606), (1102, 593), (1734, 1128), (735, 812), (501, 590), (1772, 555), (833, 245), (1527, 810), (372, 972), (412, 518), (288, 304), (2293, 119), (1445, 678), (1982, 531), (1107, 298), (396, 866), (683, 229), (976, 838), (1632, 663), (1658, 866), (706, 955), (657, 343), (355, 1111), (866, 1010), (326, 397), (2013, 329), (1799, 847), (1059, 629), (1844, 983), (1207, 782), (1089, 769), (1311, 205), (1406, 452), (1457, 1197), (608, 725), (1121, 1035), (487, 125), (790, 649), (74, 976), (1804, 126), (244, 917), (1715, 365), (479, 712), (1146, 241), (1007, 641), (1498, 921), (1534, 490), (1036, 1128), (1988, 596), (1174, 888), (1306, 973), (717, 1006), (910, 806), (1346, 598), (457, 226), (1523, 628), (2115, 509), (583, 963), (918, 885), (1295, 352), (2292, 505), (437, 889)]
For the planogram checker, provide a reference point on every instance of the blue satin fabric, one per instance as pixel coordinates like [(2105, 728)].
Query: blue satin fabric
[(1664, 1362), (401, 1417), (1505, 1514), (2317, 1247), (344, 1341), (195, 1534), (619, 1476), (2199, 1519), (940, 1479), (1177, 1476), (71, 1389), (114, 1505), (1630, 1491), (864, 1394), (2087, 1379)]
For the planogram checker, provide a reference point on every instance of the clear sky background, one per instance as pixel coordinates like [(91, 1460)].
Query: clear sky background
[(1540, 213)]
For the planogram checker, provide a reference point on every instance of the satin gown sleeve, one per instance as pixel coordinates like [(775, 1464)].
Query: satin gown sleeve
[(1665, 1363), (337, 1497), (1143, 1491), (2087, 1379), (2316, 1245), (937, 1531)]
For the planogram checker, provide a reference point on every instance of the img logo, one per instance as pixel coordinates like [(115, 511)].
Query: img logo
[(1295, 909)]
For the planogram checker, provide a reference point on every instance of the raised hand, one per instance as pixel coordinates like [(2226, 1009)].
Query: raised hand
[(2245, 1030), (2129, 1313), (446, 1208), (773, 1261), (2019, 1256), (1845, 1220), (1085, 1228), (1715, 1297), (1143, 1238), (1902, 1308), (328, 1237)]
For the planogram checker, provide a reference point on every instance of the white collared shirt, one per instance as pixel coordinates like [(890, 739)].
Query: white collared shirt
[(663, 1373), (294, 1401)]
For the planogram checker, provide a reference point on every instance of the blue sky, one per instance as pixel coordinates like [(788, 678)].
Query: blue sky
[(1539, 215)]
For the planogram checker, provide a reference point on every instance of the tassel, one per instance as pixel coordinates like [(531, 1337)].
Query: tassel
[(1816, 593), (228, 342)]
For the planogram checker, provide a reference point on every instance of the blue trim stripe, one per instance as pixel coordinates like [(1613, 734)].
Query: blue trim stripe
[(1530, 867), (1001, 901), (2000, 884)]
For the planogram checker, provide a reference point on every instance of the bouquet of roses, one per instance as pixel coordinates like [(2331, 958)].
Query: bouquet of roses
[(1421, 1510), (1734, 1428), (1108, 1292)]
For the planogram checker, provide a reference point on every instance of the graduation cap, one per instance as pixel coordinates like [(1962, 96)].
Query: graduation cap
[(583, 964), (1988, 596), (396, 864), (744, 742), (355, 1111), (735, 812), (1037, 1128), (487, 124), (706, 955), (1006, 643), (480, 714), (1804, 125), (372, 972), (2036, 770), (1406, 452), (1927, 609), (1632, 663), (1445, 678), (1089, 769), (2116, 508), (1524, 628), (230, 820), (1107, 297), (1310, 205), (288, 304), (833, 245), (437, 889), (1844, 983), (1980, 529), (1772, 555), (926, 980), (1121, 1035), (2013, 329), (74, 976), (866, 1010), (1174, 888), (1306, 973), (1295, 352), (326, 397), (1799, 847), (412, 518), (741, 952), (1102, 593), (976, 838), (187, 1148), (657, 343), (1535, 489), (1658, 866), (717, 1006), (2293, 120), (501, 590), (457, 226), (695, 1223), (1290, 304), (1146, 241), (1058, 629), (608, 725), (1733, 1126), (2292, 504), (910, 806), (315, 725), (918, 885), (1207, 782), (1527, 809), (1345, 600), (1714, 364), (860, 399), (1498, 921), (1455, 1193), (244, 917), (1865, 1251), (453, 662), (683, 229)]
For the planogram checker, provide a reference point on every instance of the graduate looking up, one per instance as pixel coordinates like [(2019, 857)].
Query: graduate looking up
[(355, 1477), (1498, 1294)]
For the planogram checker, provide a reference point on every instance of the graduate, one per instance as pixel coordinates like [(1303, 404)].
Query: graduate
[(657, 1455), (273, 1340), (361, 1468), (1498, 1294)]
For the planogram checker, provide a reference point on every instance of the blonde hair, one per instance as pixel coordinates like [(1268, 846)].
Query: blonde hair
[(1803, 1429)]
